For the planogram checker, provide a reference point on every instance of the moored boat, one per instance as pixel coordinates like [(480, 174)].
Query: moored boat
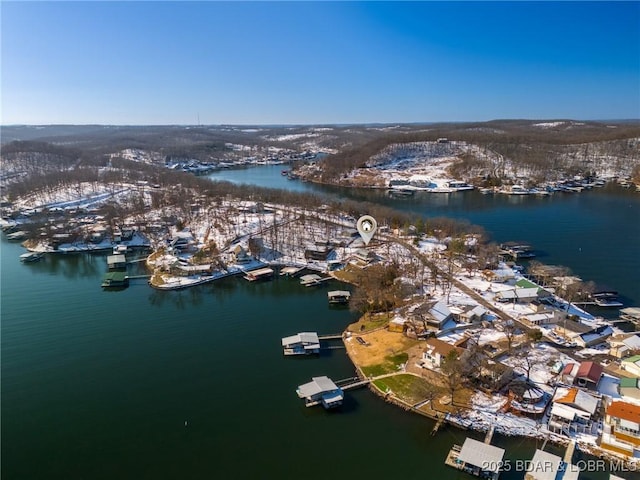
[(31, 257)]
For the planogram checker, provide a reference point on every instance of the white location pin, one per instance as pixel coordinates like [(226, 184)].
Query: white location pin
[(367, 227)]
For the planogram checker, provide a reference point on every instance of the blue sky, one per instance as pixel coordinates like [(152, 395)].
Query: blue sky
[(326, 62)]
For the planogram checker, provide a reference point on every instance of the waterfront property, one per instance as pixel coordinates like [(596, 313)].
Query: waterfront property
[(304, 343), (321, 390), (477, 458), (436, 351), (572, 411), (621, 432)]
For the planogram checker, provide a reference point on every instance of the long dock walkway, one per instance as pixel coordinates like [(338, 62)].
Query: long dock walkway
[(568, 454), (332, 336), (489, 436)]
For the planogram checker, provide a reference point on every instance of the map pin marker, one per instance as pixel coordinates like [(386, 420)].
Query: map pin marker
[(367, 227)]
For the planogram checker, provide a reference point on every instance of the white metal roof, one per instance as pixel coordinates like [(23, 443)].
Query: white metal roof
[(339, 293), (316, 386), (563, 411), (543, 466), (481, 455), (116, 258), (303, 337), (571, 472)]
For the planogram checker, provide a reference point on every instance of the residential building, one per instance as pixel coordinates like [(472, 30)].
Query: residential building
[(629, 388), (631, 365), (621, 432), (436, 351), (572, 411)]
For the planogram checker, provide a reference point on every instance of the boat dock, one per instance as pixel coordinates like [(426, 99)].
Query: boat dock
[(312, 280), (259, 274), (339, 296), (291, 271), (306, 343), (476, 458)]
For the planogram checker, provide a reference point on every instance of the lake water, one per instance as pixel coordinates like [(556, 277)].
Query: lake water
[(192, 384)]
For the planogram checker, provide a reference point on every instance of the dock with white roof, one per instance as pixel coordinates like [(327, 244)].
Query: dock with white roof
[(303, 343), (477, 458)]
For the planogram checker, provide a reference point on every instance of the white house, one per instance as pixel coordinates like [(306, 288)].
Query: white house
[(435, 352)]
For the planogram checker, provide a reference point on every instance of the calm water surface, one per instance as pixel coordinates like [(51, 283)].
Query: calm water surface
[(99, 385)]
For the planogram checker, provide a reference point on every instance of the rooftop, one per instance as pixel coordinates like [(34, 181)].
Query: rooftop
[(628, 382), (591, 371), (624, 410), (316, 386), (481, 455), (441, 347), (544, 466)]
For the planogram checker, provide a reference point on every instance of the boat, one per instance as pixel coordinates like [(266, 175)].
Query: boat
[(517, 251), (120, 249), (608, 302), (400, 192), (517, 190), (459, 186), (17, 236), (284, 173), (606, 298), (31, 256)]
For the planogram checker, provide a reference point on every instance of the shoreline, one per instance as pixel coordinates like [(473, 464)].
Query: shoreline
[(445, 418)]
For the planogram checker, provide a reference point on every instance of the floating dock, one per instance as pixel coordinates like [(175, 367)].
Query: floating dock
[(259, 274), (312, 279), (476, 458), (339, 297), (115, 280), (291, 271), (303, 343), (321, 391)]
